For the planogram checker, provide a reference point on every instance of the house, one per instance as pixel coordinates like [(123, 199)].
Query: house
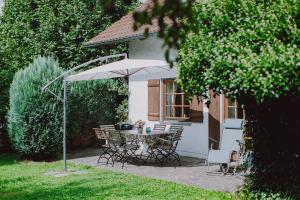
[(155, 98)]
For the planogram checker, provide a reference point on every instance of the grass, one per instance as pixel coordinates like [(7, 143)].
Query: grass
[(26, 180)]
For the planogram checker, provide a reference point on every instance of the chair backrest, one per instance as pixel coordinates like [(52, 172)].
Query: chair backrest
[(101, 134), (115, 139), (175, 138), (175, 128), (232, 134), (159, 127), (107, 128)]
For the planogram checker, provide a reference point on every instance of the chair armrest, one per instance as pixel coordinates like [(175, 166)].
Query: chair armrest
[(213, 140), (240, 142)]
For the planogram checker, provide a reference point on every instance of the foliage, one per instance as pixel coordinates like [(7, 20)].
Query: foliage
[(91, 103), (26, 180), (59, 28), (274, 126), (243, 48), (249, 50), (122, 111), (34, 118), (246, 194)]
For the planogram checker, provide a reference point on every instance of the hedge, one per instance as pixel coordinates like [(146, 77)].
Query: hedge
[(34, 118)]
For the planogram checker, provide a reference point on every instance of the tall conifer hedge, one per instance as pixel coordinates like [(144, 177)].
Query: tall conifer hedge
[(34, 117)]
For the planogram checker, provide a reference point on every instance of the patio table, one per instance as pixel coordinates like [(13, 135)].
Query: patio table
[(143, 138)]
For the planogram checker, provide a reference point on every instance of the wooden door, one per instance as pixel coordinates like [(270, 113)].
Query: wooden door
[(214, 121)]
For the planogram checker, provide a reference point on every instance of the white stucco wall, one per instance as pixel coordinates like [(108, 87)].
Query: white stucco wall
[(195, 136)]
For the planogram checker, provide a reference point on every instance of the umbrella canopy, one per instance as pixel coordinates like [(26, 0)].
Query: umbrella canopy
[(123, 68)]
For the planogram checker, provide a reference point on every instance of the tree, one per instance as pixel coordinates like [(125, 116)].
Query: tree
[(59, 28), (248, 50)]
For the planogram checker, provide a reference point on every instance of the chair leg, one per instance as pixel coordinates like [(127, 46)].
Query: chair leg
[(207, 166), (102, 155), (235, 167), (111, 156), (225, 168), (177, 158), (150, 156)]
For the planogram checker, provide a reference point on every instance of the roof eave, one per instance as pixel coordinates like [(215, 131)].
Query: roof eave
[(118, 40)]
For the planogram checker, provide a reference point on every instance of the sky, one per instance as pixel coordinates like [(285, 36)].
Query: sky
[(1, 3)]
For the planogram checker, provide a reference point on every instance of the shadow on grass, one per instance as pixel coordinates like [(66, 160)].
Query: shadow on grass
[(8, 159)]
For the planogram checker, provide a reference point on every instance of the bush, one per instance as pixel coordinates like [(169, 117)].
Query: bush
[(35, 118)]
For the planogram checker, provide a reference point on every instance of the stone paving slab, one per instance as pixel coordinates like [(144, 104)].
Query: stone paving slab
[(192, 172)]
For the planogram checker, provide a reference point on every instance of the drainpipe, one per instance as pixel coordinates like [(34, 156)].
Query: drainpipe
[(221, 112), (161, 108)]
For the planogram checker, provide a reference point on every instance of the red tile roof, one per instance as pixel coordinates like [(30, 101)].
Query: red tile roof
[(122, 30)]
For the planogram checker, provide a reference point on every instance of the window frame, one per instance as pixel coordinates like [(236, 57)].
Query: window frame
[(236, 108), (174, 93)]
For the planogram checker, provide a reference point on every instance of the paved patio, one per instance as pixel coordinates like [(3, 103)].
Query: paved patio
[(192, 172)]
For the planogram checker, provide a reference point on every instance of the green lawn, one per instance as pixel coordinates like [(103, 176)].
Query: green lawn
[(26, 180)]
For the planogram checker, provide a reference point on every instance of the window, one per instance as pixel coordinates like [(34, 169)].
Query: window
[(233, 110), (175, 104)]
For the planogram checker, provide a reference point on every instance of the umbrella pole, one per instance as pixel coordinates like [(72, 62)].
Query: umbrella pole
[(65, 124)]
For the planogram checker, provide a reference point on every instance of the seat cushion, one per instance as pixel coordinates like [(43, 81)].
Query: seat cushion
[(219, 156)]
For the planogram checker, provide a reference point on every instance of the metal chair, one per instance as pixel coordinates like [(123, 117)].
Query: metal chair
[(122, 149), (165, 148), (103, 135), (109, 127), (230, 144), (159, 127), (174, 128)]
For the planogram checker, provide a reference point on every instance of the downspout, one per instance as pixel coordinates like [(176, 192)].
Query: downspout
[(161, 98), (221, 113)]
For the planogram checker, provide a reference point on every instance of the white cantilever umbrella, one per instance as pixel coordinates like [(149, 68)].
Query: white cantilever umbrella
[(123, 68)]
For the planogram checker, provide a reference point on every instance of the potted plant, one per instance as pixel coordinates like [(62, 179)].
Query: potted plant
[(139, 125)]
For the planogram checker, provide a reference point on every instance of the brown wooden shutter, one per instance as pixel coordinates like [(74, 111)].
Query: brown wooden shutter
[(214, 121), (153, 100), (196, 109)]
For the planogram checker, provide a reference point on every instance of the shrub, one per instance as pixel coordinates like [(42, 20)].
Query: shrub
[(35, 118)]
